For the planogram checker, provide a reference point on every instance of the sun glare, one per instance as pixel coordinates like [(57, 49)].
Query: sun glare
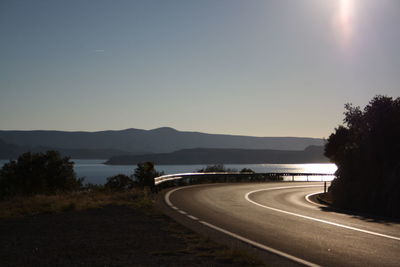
[(343, 21)]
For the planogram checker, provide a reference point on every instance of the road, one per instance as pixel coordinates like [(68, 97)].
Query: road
[(277, 218)]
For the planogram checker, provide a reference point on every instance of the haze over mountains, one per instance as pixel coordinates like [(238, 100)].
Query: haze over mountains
[(105, 144)]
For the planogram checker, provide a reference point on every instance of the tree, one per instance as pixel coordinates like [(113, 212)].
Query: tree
[(119, 182), (216, 168), (145, 174), (38, 173), (367, 153)]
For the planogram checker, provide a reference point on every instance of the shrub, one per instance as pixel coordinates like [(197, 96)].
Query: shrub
[(216, 168), (145, 174), (119, 182), (38, 173)]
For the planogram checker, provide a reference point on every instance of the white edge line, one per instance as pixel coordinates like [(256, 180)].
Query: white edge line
[(312, 218), (258, 245), (236, 236), (193, 217), (310, 201)]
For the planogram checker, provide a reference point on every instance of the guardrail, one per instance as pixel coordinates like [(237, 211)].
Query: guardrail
[(223, 176)]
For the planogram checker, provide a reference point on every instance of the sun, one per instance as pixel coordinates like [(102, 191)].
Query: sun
[(343, 21)]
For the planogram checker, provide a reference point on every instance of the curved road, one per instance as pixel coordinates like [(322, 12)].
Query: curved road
[(277, 218)]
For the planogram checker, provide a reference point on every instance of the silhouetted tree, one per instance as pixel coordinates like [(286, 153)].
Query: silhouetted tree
[(216, 168), (38, 173), (367, 153), (119, 182), (145, 174), (220, 178)]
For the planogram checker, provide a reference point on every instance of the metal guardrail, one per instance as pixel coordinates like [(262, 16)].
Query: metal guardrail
[(179, 176)]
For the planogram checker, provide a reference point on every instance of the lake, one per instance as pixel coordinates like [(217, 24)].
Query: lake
[(96, 172)]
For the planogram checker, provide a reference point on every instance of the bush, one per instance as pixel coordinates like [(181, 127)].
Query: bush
[(367, 153), (119, 182), (38, 173), (216, 168), (145, 174)]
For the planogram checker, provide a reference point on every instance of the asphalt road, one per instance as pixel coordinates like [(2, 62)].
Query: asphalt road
[(277, 218)]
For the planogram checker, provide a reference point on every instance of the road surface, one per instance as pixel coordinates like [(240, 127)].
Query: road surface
[(279, 219)]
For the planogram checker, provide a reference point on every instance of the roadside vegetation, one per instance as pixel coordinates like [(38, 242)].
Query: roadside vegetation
[(38, 173), (43, 202), (216, 168), (46, 183), (20, 206), (367, 152)]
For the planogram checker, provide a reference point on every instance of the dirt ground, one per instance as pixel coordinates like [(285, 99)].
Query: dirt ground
[(109, 236)]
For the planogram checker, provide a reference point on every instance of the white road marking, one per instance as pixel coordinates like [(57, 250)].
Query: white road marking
[(193, 218), (312, 218), (312, 202), (258, 245), (236, 236)]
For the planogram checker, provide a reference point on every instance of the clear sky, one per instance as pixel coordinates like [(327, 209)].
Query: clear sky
[(263, 68)]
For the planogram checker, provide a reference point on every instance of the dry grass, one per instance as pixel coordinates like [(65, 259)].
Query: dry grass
[(195, 245), (205, 247), (202, 246), (25, 206)]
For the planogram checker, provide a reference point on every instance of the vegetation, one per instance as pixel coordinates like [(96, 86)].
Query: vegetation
[(60, 191), (96, 197), (216, 168), (46, 183), (145, 174), (119, 234), (247, 170), (38, 173), (367, 153), (120, 182)]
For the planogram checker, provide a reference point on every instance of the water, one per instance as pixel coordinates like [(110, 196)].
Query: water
[(95, 172)]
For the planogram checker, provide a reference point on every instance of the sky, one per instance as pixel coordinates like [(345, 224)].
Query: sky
[(260, 68)]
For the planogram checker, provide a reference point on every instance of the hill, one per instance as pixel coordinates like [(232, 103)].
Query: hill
[(312, 154), (10, 151), (160, 140)]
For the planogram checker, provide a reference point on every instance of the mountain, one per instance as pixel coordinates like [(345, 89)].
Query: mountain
[(312, 154), (10, 151), (84, 153), (160, 140)]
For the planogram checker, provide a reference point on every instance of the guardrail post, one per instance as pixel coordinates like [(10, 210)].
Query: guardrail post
[(325, 187)]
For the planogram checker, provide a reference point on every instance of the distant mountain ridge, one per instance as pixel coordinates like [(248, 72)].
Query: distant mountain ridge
[(312, 154), (10, 151), (160, 140)]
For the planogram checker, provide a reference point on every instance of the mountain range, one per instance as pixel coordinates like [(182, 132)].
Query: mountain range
[(312, 154), (106, 144)]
